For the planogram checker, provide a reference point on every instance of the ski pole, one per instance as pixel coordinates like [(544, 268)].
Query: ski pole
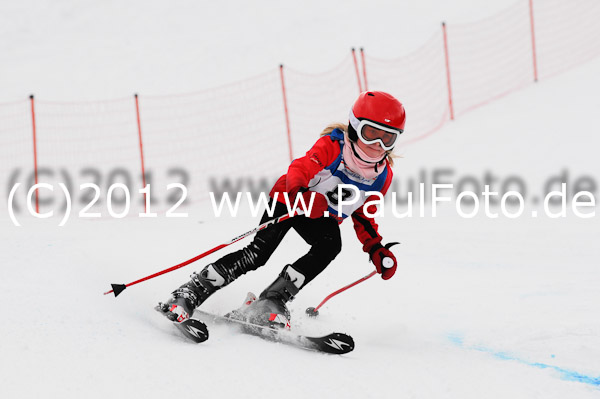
[(118, 288), (313, 312)]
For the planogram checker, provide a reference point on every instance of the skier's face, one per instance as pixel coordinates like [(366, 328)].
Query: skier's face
[(372, 150)]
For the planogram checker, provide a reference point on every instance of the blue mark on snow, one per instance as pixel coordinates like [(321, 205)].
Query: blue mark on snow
[(565, 374)]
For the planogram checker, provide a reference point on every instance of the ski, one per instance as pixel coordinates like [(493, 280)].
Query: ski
[(192, 329), (334, 343)]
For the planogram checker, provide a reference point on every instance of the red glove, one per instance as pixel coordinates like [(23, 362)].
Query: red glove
[(384, 260), (320, 204)]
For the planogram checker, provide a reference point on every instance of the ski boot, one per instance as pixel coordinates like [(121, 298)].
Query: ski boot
[(270, 309), (192, 294)]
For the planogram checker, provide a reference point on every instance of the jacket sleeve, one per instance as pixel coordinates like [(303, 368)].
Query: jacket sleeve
[(365, 227), (303, 169)]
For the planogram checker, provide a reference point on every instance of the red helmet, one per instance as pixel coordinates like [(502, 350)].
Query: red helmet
[(381, 112)]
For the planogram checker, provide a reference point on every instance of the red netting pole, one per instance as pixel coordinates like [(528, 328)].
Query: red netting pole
[(35, 164), (364, 67), (360, 90), (535, 72), (287, 116), (139, 124), (448, 71)]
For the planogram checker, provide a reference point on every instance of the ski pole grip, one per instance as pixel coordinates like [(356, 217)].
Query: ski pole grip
[(387, 262)]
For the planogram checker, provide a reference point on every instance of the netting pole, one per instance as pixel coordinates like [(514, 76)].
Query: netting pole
[(535, 72), (287, 116), (139, 124), (35, 164), (448, 71), (364, 67), (357, 72)]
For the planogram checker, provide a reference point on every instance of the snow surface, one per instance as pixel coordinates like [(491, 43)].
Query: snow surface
[(481, 307)]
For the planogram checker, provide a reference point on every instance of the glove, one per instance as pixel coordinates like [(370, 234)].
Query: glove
[(320, 204), (384, 260)]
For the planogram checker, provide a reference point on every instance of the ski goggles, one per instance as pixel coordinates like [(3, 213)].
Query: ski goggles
[(370, 133)]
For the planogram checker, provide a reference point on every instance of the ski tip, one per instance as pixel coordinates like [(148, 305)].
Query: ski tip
[(335, 343), (118, 288), (193, 329)]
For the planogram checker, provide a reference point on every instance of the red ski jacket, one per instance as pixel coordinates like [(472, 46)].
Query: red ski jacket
[(324, 157)]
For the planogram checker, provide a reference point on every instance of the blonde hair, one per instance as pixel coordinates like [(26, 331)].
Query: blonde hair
[(344, 128)]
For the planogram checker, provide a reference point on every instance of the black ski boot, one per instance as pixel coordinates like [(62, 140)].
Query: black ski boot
[(192, 294), (270, 309)]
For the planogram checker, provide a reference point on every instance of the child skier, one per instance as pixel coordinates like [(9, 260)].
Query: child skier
[(358, 154)]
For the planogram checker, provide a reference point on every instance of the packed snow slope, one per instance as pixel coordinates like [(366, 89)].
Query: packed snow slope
[(478, 308), (481, 307)]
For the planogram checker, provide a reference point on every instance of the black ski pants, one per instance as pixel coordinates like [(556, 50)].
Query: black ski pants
[(322, 234)]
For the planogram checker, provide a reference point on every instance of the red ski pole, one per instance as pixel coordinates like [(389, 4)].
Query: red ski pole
[(387, 262), (118, 288), (313, 312)]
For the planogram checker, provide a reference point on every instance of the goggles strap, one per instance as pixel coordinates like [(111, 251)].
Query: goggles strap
[(354, 121)]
